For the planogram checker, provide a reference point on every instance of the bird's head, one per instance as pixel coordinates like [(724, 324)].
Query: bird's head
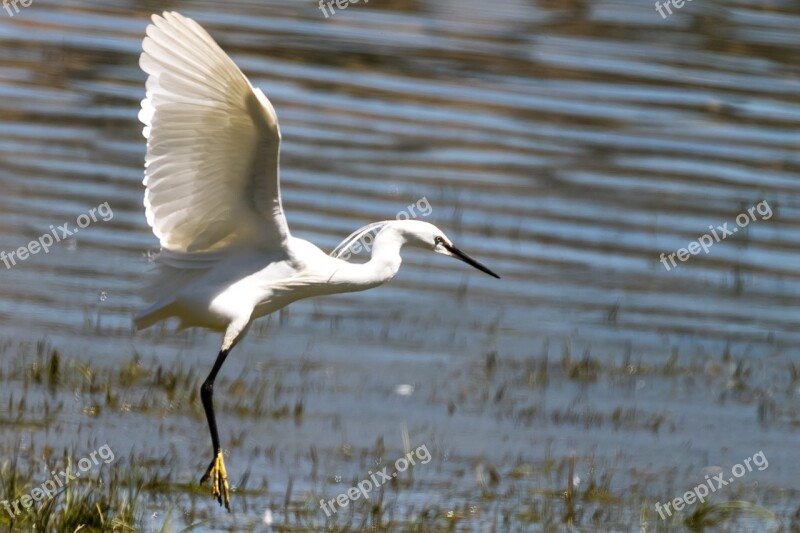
[(427, 236)]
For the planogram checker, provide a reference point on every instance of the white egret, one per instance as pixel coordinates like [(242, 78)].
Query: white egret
[(213, 200)]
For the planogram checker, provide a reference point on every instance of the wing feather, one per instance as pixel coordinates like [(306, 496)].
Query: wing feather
[(211, 169)]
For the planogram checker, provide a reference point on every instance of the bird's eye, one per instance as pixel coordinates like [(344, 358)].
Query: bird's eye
[(438, 240)]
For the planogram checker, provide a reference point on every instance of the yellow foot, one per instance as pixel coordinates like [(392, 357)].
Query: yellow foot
[(219, 481)]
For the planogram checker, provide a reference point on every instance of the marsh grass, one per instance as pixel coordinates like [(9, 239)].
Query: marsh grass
[(105, 501), (708, 515), (545, 495)]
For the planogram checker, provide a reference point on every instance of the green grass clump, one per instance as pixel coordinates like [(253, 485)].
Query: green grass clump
[(101, 502)]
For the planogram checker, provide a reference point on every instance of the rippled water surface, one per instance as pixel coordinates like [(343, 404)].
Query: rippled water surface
[(567, 145)]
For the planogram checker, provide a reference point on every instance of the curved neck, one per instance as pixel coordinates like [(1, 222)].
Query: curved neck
[(382, 266)]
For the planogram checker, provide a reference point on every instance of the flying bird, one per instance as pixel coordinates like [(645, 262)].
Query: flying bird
[(212, 198)]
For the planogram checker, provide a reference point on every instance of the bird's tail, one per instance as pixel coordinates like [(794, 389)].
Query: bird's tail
[(155, 313), (163, 286)]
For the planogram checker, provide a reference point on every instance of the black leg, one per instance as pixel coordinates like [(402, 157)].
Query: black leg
[(207, 394), (220, 484)]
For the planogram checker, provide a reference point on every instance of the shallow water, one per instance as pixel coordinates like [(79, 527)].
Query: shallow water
[(565, 145)]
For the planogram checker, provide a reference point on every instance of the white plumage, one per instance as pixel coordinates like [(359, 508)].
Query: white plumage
[(213, 201), (211, 169)]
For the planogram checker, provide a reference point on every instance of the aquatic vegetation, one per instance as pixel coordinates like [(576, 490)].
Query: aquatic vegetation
[(41, 388)]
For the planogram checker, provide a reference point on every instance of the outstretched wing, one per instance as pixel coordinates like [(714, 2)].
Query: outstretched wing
[(364, 235), (211, 170)]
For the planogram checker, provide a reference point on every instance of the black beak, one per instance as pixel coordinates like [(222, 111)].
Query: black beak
[(468, 260)]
